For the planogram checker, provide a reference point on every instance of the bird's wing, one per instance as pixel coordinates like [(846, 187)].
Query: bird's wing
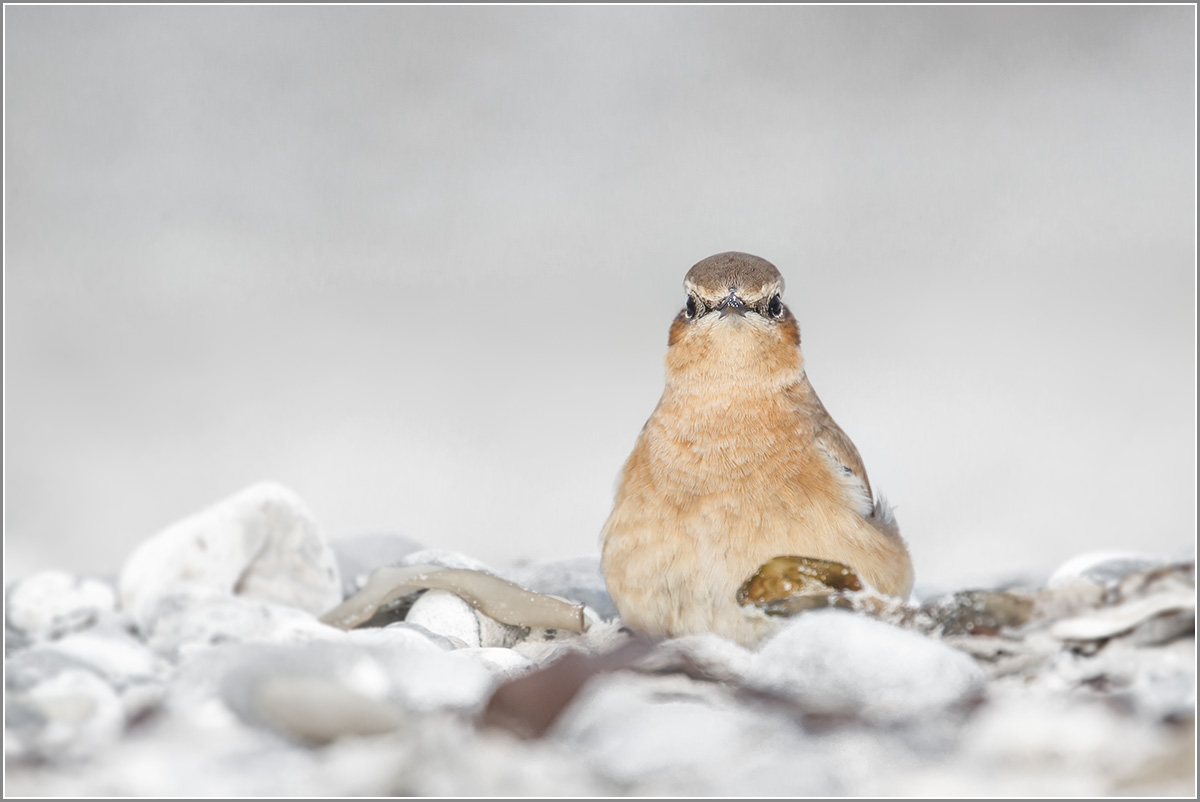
[(847, 466), (843, 458)]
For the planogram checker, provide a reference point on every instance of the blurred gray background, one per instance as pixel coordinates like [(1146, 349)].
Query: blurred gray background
[(418, 263)]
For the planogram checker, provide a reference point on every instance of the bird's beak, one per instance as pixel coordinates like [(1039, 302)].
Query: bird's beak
[(732, 304)]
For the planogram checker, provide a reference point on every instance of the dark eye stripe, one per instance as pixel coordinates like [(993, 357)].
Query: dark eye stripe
[(771, 307)]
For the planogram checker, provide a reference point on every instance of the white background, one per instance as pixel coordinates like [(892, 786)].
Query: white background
[(419, 263)]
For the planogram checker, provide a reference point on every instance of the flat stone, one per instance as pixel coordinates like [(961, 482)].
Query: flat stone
[(319, 711), (1174, 613)]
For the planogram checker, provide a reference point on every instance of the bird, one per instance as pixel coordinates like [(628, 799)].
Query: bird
[(739, 463)]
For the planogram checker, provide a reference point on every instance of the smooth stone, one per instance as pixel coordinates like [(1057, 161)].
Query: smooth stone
[(197, 619), (117, 656), (194, 688), (841, 663), (449, 758), (38, 665), (51, 603), (244, 672), (979, 612), (1165, 628), (1057, 736), (1159, 683), (1106, 568), (359, 555), (425, 682), (260, 544), (710, 655), (675, 737), (402, 635), (497, 634), (447, 559), (1166, 615), (543, 645), (445, 614), (112, 655), (69, 715), (15, 641), (502, 663), (318, 711), (415, 680), (578, 579), (528, 705), (1155, 684)]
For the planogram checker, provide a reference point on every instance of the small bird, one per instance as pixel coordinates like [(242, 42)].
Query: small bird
[(739, 463)]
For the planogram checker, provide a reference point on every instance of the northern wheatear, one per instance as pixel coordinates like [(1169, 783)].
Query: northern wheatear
[(738, 464)]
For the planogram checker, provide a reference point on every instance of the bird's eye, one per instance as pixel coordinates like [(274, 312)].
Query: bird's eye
[(690, 310), (775, 307)]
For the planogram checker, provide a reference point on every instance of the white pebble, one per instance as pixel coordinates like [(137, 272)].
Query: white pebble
[(400, 635), (720, 658), (120, 658), (1101, 568), (446, 614), (262, 544), (503, 663), (195, 619), (447, 559), (320, 710), (840, 662), (427, 681), (51, 603), (80, 714)]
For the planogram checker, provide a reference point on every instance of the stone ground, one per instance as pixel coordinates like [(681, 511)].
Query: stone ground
[(204, 669)]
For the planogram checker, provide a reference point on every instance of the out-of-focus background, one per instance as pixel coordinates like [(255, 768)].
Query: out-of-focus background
[(419, 263)]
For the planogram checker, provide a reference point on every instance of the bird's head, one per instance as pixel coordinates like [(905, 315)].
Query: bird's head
[(734, 326)]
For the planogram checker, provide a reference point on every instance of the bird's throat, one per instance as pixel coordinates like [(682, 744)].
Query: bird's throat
[(733, 361)]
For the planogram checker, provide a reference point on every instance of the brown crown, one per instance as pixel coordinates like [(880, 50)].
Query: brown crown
[(749, 276)]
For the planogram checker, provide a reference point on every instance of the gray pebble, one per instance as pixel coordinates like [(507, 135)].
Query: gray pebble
[(578, 579), (359, 555), (447, 559)]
